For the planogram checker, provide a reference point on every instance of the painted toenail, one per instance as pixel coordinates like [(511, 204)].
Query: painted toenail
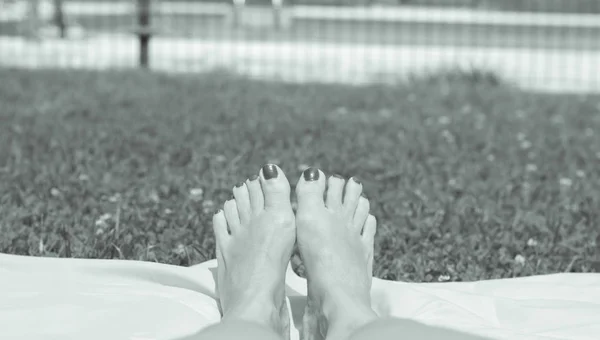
[(254, 178), (338, 176), (269, 171), (239, 185), (356, 180), (311, 174)]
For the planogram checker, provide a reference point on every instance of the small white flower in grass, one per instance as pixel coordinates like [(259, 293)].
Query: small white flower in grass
[(196, 194), (179, 250), (220, 158), (531, 167), (532, 243), (452, 182), (491, 158), (302, 167), (444, 120), (99, 231), (557, 120), (153, 196), (168, 211), (565, 182), (589, 132), (340, 111), (448, 136), (385, 113), (580, 173), (443, 278), (84, 177), (54, 192), (520, 260), (115, 198), (208, 206), (101, 221), (525, 144)]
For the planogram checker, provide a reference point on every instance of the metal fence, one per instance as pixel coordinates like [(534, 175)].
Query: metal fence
[(550, 45)]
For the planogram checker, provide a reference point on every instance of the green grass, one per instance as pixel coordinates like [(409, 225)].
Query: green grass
[(440, 157)]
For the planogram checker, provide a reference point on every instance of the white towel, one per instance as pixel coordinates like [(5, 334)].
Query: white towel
[(49, 298)]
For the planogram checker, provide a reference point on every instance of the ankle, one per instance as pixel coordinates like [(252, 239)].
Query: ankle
[(261, 310), (345, 314)]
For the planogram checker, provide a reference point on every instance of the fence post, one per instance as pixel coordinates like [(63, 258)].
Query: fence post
[(59, 18), (143, 31)]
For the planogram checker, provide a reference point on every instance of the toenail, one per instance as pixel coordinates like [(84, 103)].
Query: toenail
[(217, 211), (254, 178), (239, 185), (338, 176), (311, 174), (356, 180), (269, 171), (362, 194)]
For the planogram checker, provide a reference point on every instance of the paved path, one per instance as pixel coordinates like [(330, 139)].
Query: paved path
[(564, 71)]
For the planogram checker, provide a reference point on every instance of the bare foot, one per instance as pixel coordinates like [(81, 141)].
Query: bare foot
[(255, 235), (335, 238)]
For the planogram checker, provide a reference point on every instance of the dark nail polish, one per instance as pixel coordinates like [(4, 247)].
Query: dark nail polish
[(269, 171), (338, 176), (356, 180), (254, 178), (311, 174), (239, 185)]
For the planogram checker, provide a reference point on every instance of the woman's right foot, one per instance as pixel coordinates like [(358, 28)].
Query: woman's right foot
[(335, 237)]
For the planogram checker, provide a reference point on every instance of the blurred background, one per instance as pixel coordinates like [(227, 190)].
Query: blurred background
[(542, 45)]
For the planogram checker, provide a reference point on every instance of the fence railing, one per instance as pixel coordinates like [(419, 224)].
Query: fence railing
[(537, 49)]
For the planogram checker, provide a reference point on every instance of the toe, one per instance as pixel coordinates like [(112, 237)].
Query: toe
[(335, 188), (242, 199), (369, 230), (310, 188), (220, 228), (232, 216), (257, 200), (275, 187), (361, 214), (352, 194)]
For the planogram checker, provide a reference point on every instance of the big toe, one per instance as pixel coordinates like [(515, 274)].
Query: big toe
[(310, 188), (275, 187)]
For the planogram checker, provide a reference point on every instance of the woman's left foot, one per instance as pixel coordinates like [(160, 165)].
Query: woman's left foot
[(255, 234)]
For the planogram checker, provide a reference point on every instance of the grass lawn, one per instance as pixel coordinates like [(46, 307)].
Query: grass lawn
[(469, 178)]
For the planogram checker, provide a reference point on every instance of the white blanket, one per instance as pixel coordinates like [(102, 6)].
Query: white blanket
[(48, 298)]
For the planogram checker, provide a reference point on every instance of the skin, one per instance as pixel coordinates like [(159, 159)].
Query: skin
[(255, 233)]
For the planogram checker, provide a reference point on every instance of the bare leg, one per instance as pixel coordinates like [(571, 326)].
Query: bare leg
[(255, 233), (335, 237)]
